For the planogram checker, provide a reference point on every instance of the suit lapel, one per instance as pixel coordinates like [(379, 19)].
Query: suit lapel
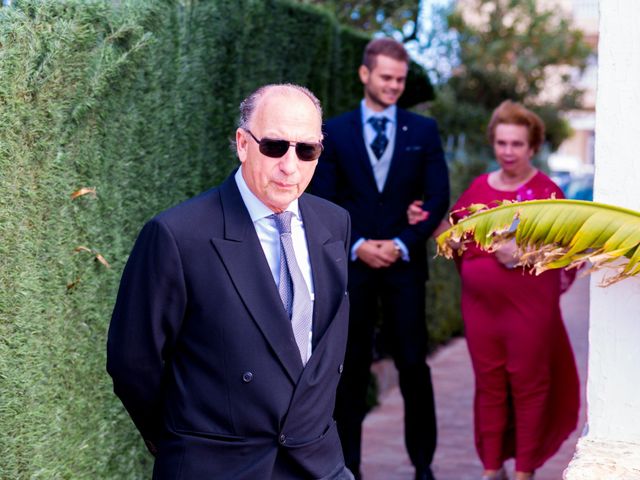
[(242, 254), (361, 155), (325, 254), (402, 131)]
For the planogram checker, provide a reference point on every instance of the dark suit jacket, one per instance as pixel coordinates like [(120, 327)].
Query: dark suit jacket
[(202, 353), (417, 171)]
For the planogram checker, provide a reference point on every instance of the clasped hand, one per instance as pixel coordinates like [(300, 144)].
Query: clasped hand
[(378, 253)]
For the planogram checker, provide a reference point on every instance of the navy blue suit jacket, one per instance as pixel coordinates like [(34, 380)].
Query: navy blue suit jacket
[(202, 353), (417, 171)]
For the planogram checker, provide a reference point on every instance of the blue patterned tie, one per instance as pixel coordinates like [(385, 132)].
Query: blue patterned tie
[(380, 141), (292, 287)]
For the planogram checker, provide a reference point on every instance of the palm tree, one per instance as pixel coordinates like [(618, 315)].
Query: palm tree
[(554, 234)]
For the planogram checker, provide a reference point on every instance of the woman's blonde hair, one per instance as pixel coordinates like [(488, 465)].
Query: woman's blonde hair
[(513, 113)]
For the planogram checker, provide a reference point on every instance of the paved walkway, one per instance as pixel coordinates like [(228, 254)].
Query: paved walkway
[(384, 455)]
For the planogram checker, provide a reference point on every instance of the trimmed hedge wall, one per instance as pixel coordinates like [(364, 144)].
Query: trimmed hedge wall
[(137, 100)]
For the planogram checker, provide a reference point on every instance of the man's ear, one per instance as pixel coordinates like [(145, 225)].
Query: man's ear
[(242, 144), (364, 73)]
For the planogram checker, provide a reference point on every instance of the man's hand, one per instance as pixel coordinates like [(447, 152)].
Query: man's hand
[(415, 213), (378, 253)]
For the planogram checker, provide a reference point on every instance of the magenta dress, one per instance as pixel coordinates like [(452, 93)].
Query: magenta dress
[(527, 388)]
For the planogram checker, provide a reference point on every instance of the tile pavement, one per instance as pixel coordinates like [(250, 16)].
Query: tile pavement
[(384, 455)]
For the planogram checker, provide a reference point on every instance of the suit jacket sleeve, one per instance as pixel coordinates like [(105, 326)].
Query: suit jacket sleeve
[(145, 322), (435, 190)]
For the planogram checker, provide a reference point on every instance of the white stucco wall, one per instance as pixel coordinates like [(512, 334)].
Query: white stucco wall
[(611, 449), (613, 387), (614, 363)]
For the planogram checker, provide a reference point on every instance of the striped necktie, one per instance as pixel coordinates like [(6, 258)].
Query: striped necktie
[(292, 287), (380, 141)]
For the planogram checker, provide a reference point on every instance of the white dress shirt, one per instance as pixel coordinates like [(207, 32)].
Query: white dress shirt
[(270, 238)]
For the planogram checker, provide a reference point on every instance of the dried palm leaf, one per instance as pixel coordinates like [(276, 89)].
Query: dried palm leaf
[(97, 256), (84, 191), (554, 234)]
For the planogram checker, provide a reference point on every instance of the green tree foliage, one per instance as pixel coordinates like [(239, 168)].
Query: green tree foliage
[(371, 16), (509, 49), (394, 18)]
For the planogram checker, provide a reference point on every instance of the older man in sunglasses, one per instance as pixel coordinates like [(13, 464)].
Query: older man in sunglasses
[(229, 330)]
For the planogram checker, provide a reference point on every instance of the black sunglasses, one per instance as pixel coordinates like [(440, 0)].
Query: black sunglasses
[(273, 148)]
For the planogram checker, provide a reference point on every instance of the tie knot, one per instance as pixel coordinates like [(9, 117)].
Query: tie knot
[(283, 221), (379, 124)]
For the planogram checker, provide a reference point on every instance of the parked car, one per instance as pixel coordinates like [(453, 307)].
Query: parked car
[(576, 186), (580, 187)]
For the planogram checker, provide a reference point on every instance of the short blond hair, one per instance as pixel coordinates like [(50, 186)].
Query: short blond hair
[(383, 46)]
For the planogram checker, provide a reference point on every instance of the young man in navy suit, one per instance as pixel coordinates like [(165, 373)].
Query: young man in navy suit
[(377, 160), (229, 331)]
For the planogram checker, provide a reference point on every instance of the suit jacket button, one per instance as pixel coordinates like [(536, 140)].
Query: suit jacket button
[(341, 368), (247, 377), (282, 439)]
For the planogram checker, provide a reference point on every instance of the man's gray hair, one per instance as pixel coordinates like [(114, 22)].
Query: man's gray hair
[(248, 105)]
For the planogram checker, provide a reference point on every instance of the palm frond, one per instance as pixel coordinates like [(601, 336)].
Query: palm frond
[(554, 234)]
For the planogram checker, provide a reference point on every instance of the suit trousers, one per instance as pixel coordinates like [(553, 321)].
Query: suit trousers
[(340, 473), (399, 302)]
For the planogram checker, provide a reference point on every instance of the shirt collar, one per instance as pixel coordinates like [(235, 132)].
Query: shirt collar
[(389, 113), (257, 209)]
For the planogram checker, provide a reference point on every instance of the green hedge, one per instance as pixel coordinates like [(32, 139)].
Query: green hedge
[(138, 100)]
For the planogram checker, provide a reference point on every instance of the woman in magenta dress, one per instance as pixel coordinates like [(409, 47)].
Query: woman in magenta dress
[(527, 389)]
